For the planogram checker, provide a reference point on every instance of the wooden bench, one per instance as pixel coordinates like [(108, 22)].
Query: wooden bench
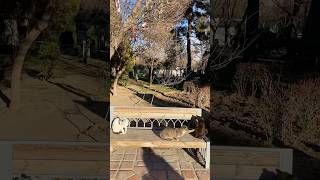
[(47, 159), (146, 123)]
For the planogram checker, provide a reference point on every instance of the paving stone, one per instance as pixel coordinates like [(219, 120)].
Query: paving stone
[(181, 157), (114, 165), (197, 166), (118, 151), (170, 158), (160, 175), (203, 175), (116, 157), (113, 174), (122, 175), (131, 151), (126, 165), (174, 175), (141, 170), (134, 177), (129, 157), (141, 157), (140, 163), (170, 152), (159, 166), (148, 177), (173, 165), (144, 164), (185, 165), (188, 174)]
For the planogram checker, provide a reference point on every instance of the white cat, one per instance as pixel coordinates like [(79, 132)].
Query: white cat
[(120, 125)]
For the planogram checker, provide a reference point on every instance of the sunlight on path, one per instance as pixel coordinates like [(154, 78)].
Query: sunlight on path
[(126, 97)]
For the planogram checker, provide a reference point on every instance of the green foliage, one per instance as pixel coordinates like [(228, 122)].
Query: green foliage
[(124, 79), (49, 53), (63, 14), (92, 34), (124, 57)]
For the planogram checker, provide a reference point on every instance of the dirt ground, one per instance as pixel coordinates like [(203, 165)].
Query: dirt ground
[(70, 107)]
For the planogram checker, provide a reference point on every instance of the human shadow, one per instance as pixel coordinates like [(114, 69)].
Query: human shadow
[(278, 174), (158, 167), (267, 175), (97, 107), (4, 98)]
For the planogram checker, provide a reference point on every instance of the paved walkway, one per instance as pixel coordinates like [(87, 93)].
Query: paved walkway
[(155, 164)]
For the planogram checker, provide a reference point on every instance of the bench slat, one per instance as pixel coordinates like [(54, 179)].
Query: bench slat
[(59, 152), (60, 167), (149, 138), (155, 112)]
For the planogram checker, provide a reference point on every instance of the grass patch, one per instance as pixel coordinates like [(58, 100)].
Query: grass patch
[(144, 87)]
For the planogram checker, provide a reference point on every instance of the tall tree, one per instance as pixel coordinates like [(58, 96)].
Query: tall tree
[(123, 60), (39, 15)]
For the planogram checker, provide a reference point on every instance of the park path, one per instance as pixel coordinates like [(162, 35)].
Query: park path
[(127, 97), (151, 163), (59, 110)]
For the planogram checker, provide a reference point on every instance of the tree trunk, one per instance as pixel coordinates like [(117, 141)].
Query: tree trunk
[(19, 60), (116, 79), (189, 56), (150, 76)]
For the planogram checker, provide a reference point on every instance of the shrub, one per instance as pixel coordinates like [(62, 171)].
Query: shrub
[(286, 112), (301, 119), (49, 53)]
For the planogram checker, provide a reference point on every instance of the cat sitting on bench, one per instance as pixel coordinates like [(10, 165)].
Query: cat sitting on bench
[(171, 134), (120, 125), (200, 128)]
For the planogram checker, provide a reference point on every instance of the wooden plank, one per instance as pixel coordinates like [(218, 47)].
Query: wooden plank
[(231, 162), (286, 160), (155, 112), (252, 172), (59, 167), (149, 138), (55, 152), (243, 157)]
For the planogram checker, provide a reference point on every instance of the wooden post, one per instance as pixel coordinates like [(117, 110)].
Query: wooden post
[(5, 161), (208, 149)]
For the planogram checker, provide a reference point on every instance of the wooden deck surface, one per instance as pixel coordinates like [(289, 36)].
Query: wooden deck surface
[(150, 138), (232, 163), (60, 160)]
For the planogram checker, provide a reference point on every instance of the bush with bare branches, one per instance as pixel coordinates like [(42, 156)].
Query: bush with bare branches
[(273, 110), (301, 115)]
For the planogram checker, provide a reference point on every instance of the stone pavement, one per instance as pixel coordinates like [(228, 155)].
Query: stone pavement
[(155, 164)]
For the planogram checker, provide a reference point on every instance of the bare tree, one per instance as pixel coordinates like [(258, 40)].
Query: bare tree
[(155, 15)]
